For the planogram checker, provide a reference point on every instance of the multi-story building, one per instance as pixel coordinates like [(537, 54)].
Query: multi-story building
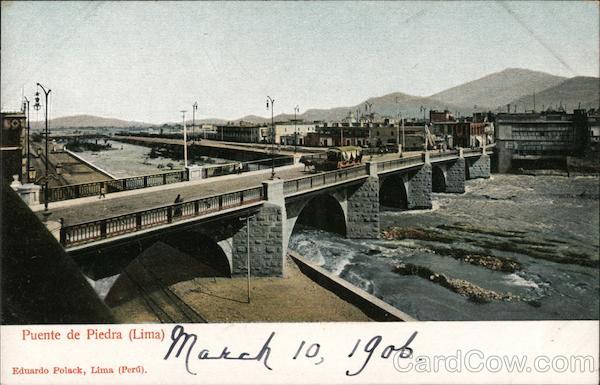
[(539, 136), (338, 134), (368, 134), (241, 132), (12, 145), (441, 116), (291, 132)]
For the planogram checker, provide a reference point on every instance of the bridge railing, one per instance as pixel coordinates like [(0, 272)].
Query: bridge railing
[(82, 233), (387, 165), (292, 186), (82, 190), (210, 171), (442, 154)]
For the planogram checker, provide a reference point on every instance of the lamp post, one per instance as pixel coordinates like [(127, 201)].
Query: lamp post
[(272, 101), (296, 110), (37, 107), (403, 143), (28, 129), (398, 127), (194, 108), (184, 139), (247, 219)]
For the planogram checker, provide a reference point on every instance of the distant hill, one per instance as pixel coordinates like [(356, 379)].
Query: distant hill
[(408, 105), (570, 93), (499, 88), (79, 121), (491, 92), (252, 119)]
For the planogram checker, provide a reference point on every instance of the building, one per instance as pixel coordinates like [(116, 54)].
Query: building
[(593, 143), (539, 136), (290, 133), (462, 132), (440, 116), (338, 134), (244, 132), (13, 145), (383, 133)]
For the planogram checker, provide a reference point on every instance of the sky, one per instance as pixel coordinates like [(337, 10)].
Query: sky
[(146, 61)]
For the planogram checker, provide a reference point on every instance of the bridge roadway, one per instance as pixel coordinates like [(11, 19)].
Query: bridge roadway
[(94, 208), (94, 219)]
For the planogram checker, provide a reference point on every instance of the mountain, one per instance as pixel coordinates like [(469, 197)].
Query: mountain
[(78, 121), (491, 92), (498, 89), (253, 119), (386, 105), (569, 94)]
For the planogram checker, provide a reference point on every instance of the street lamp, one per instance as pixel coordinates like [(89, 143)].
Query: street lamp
[(272, 101), (28, 129), (184, 139), (398, 128), (45, 177), (296, 110), (194, 108)]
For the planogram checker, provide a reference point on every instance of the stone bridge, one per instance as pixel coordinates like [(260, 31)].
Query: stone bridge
[(258, 221)]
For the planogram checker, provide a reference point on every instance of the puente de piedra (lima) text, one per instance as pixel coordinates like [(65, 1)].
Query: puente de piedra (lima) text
[(346, 201)]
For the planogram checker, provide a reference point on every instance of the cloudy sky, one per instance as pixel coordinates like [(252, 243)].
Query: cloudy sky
[(146, 61)]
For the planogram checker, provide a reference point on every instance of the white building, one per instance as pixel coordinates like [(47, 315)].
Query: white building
[(286, 132)]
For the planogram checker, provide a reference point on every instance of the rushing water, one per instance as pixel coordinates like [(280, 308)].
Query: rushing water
[(548, 225), (127, 160)]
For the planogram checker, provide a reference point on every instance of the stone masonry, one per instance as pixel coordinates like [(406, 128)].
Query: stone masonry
[(419, 188), (266, 244), (479, 167), (363, 210), (455, 176)]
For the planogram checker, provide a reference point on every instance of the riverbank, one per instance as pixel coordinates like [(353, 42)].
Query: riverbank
[(291, 298)]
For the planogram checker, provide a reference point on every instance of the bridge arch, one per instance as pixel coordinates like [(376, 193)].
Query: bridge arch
[(177, 257), (155, 261), (327, 211), (438, 179), (393, 193)]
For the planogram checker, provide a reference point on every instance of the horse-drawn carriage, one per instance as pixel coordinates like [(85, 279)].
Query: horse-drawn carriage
[(335, 158)]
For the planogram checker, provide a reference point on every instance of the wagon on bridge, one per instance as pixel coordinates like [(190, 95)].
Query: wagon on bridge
[(335, 158)]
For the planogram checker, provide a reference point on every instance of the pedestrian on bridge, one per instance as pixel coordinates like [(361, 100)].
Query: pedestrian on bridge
[(177, 211)]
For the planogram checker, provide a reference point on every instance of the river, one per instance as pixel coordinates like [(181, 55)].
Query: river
[(544, 229), (125, 160)]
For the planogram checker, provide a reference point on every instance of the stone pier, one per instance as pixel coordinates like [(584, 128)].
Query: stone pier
[(363, 210), (479, 167), (267, 250), (455, 176), (419, 187)]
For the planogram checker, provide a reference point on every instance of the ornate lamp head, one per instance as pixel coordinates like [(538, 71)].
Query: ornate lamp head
[(37, 105)]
